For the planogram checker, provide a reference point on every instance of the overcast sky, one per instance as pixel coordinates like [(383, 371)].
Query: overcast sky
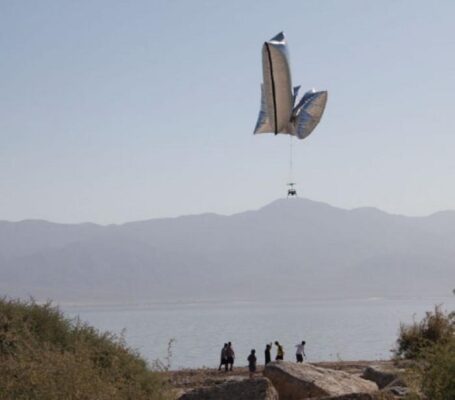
[(113, 111)]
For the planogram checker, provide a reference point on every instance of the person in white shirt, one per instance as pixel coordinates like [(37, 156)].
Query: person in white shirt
[(300, 351)]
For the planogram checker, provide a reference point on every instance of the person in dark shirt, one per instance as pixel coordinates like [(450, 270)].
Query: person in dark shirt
[(252, 363), (230, 354), (268, 357), (223, 358)]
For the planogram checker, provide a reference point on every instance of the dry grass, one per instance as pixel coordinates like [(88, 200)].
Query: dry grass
[(44, 355)]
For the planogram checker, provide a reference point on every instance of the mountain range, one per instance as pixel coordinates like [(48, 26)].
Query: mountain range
[(291, 248)]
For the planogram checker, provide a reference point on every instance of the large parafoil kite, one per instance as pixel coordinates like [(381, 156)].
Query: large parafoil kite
[(280, 111)]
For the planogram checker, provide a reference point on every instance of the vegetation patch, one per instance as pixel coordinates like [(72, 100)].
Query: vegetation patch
[(44, 355), (430, 343)]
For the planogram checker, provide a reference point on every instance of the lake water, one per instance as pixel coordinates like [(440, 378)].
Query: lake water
[(334, 330)]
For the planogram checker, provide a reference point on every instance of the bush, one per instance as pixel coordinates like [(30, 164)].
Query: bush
[(434, 373), (431, 344), (436, 328), (44, 355), (438, 372)]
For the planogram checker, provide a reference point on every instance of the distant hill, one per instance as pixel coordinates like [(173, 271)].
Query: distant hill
[(291, 248)]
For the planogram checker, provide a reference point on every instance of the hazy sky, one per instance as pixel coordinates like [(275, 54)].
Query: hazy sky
[(113, 111)]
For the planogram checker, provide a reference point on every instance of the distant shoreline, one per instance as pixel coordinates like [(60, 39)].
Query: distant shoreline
[(210, 302)]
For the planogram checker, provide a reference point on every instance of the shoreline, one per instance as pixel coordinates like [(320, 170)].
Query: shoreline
[(151, 304), (184, 380)]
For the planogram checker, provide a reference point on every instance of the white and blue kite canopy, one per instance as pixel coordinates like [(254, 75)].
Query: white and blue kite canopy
[(280, 112)]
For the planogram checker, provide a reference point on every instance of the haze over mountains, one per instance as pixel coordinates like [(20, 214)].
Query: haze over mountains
[(291, 248)]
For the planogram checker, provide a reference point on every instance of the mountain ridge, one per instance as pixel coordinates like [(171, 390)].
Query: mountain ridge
[(282, 200), (290, 247)]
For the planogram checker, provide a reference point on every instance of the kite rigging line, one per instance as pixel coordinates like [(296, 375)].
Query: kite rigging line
[(290, 158), (291, 183)]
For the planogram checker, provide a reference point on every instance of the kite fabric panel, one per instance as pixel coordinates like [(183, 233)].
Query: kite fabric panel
[(263, 124), (280, 112), (307, 116)]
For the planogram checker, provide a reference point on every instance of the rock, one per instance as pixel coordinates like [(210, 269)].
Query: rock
[(396, 383), (360, 396), (398, 391), (380, 375), (351, 396), (251, 389), (302, 381), (397, 388)]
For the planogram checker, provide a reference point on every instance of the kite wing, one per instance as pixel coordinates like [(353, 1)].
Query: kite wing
[(278, 113), (277, 96), (307, 114), (263, 125)]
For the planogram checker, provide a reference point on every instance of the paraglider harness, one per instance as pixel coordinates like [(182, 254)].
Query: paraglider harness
[(291, 191)]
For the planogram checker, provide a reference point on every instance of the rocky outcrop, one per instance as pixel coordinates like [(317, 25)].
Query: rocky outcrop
[(388, 379), (304, 381), (351, 396), (380, 375), (251, 389), (361, 396), (397, 388)]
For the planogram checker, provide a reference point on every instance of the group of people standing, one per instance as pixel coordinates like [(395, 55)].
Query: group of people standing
[(228, 356)]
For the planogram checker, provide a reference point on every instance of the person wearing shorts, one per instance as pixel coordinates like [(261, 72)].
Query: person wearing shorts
[(300, 351)]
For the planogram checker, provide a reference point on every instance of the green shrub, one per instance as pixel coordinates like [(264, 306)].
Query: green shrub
[(44, 355), (431, 344), (438, 372), (436, 327), (433, 374)]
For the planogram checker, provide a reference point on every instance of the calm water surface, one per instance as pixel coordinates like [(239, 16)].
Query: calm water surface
[(342, 329)]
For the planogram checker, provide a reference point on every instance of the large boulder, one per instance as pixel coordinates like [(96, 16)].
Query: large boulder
[(251, 389), (380, 375), (302, 381), (360, 396)]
